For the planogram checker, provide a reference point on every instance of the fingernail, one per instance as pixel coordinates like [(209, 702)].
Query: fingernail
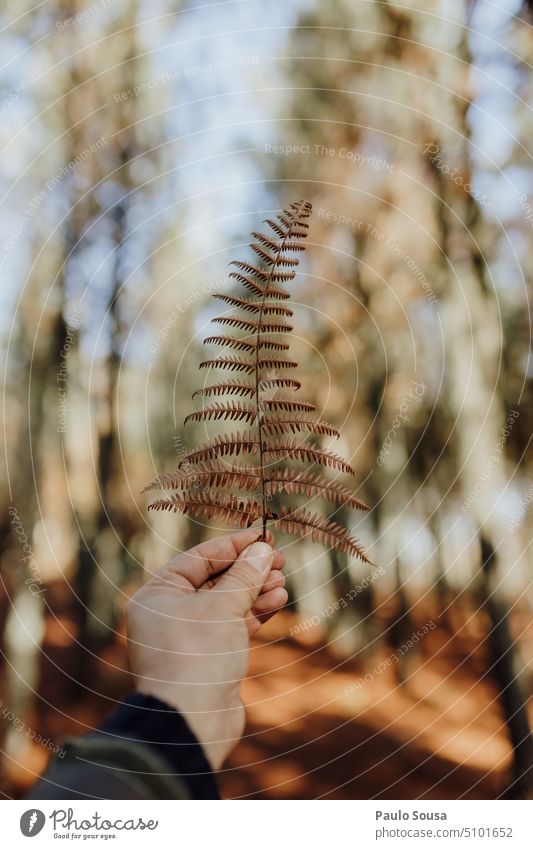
[(260, 556)]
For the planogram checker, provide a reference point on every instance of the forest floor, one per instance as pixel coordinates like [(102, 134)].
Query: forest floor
[(316, 728)]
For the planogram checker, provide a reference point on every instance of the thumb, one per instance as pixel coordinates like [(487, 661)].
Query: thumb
[(242, 582)]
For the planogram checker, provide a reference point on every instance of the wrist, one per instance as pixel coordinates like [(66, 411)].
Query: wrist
[(149, 721), (209, 725)]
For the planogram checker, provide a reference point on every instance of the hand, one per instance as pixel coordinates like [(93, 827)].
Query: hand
[(188, 631)]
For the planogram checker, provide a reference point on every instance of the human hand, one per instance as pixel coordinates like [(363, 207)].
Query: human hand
[(189, 626)]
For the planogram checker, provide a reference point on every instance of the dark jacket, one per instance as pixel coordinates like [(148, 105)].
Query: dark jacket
[(145, 750)]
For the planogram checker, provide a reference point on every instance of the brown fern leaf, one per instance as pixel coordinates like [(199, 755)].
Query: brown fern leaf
[(214, 505), (276, 293), (297, 247), (257, 289), (286, 219), (276, 309), (272, 363), (287, 405), (234, 387), (190, 477), (249, 268), (292, 449), (300, 522), (263, 255), (230, 363), (209, 475), (252, 324), (231, 342), (279, 276), (270, 383), (272, 344), (287, 261), (227, 411), (247, 304), (267, 448), (248, 283), (279, 231), (226, 445), (274, 244), (235, 321), (250, 305), (267, 241), (286, 480), (294, 422), (275, 327)]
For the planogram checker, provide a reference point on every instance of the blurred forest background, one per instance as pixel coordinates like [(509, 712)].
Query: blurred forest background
[(141, 142)]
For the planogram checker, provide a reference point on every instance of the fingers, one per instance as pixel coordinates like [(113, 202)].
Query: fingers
[(279, 559), (266, 606), (210, 557), (270, 602), (239, 588), (274, 579)]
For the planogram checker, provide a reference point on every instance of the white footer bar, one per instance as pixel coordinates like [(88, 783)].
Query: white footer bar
[(350, 824)]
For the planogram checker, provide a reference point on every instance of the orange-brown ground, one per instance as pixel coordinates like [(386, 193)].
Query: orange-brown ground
[(311, 733)]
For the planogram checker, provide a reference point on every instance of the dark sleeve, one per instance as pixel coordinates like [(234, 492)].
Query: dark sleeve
[(145, 750)]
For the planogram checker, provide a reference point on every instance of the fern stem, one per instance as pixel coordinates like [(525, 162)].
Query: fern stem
[(257, 349)]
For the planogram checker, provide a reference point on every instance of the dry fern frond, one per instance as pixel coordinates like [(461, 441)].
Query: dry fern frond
[(287, 404), (284, 480), (222, 446), (233, 387), (292, 449), (197, 485), (208, 475), (214, 505), (272, 363), (234, 412), (302, 523), (253, 306), (294, 422), (278, 383), (230, 363), (253, 324)]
